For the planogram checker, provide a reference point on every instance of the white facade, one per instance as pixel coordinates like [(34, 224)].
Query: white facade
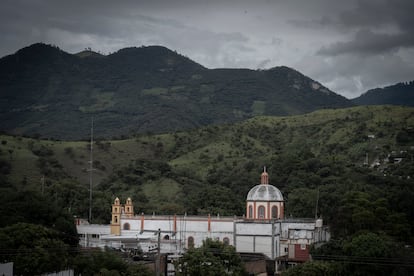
[(272, 235), (91, 234)]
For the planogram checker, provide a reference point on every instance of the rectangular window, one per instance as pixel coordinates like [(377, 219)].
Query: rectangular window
[(303, 246)]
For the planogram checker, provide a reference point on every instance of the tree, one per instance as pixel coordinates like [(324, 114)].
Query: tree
[(369, 252), (34, 249), (364, 254), (315, 268), (212, 258), (99, 262)]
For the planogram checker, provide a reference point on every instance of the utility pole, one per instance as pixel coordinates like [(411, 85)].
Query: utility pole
[(158, 262), (90, 173), (317, 202)]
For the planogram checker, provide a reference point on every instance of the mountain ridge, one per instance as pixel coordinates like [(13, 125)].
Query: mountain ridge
[(398, 94), (142, 89)]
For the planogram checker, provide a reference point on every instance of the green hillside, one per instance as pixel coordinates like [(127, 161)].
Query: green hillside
[(359, 160), (48, 93), (398, 94)]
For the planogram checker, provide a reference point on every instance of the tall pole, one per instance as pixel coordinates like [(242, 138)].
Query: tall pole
[(317, 202), (158, 264), (90, 173)]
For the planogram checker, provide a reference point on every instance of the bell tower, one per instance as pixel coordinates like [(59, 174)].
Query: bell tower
[(116, 218), (129, 208)]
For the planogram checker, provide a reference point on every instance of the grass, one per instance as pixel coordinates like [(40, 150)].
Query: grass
[(161, 191)]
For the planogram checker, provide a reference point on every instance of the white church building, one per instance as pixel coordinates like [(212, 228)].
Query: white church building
[(264, 229)]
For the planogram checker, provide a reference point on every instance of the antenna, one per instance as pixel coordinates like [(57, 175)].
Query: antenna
[(317, 202), (90, 173)]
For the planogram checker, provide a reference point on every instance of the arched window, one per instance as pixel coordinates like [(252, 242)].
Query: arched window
[(274, 212), (250, 211), (127, 226), (116, 210), (261, 212), (166, 237), (190, 242), (226, 241), (116, 219), (128, 209)]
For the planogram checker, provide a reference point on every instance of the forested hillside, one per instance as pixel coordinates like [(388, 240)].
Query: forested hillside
[(359, 161), (398, 94), (48, 93)]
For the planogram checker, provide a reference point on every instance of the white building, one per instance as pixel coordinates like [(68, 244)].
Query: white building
[(263, 230)]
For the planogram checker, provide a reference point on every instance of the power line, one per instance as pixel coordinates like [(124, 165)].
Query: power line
[(365, 260)]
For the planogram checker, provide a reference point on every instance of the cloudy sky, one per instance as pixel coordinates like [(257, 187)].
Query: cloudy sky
[(349, 46)]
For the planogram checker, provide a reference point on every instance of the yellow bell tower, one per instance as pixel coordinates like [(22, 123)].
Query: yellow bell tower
[(116, 218), (129, 208)]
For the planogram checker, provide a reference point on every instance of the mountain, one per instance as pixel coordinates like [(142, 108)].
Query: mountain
[(398, 94), (46, 92)]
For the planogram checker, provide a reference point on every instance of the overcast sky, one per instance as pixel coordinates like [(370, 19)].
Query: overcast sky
[(349, 46)]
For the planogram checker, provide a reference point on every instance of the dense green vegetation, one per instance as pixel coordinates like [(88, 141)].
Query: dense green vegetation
[(364, 253), (398, 94), (212, 258), (358, 163), (38, 236), (48, 93)]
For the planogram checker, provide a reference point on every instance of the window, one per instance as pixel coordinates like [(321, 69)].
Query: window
[(128, 209), (250, 211), (127, 226), (302, 246), (116, 219), (274, 212), (226, 241), (190, 242), (116, 210), (166, 237), (261, 212)]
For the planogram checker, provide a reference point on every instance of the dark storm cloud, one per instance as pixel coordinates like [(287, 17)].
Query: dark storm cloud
[(368, 42), (109, 25), (379, 13), (324, 39), (379, 26)]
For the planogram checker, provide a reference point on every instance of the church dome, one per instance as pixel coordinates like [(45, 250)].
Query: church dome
[(264, 192)]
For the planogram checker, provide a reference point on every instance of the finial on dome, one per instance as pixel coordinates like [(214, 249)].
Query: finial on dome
[(264, 177)]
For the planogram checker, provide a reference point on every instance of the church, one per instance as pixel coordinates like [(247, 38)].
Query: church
[(263, 229)]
